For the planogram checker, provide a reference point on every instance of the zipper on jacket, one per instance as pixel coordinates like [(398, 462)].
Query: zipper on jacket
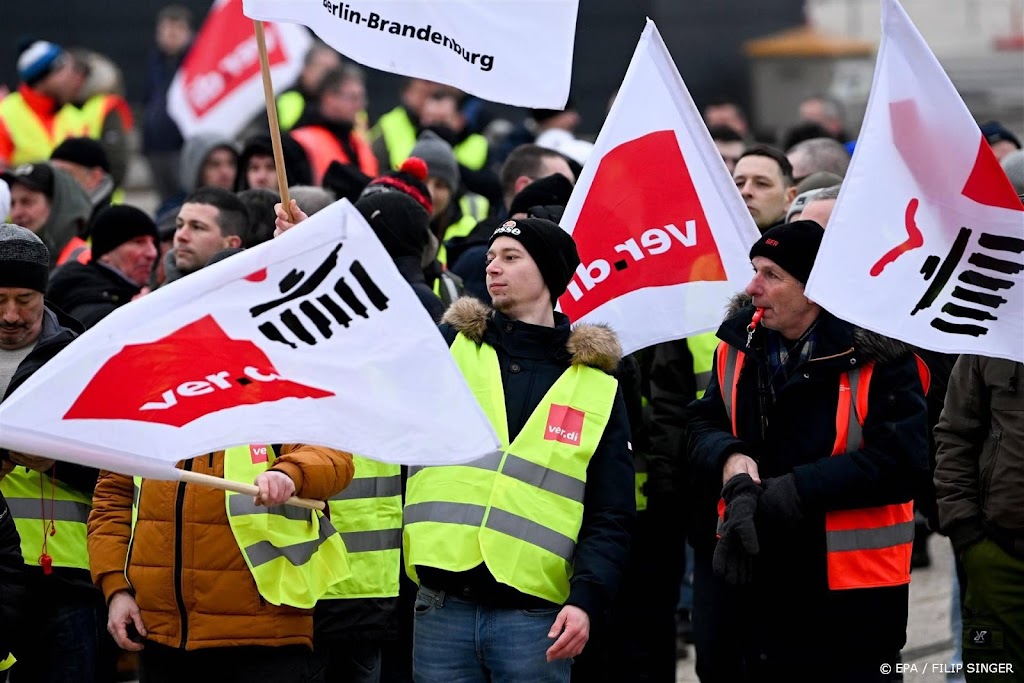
[(179, 509)]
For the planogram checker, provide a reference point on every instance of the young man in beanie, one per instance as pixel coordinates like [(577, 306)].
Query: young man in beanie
[(85, 160), (123, 252), (516, 552), (58, 637), (813, 432), (37, 117), (49, 202)]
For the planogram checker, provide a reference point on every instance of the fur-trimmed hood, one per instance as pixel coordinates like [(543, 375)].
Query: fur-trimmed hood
[(596, 346), (872, 345)]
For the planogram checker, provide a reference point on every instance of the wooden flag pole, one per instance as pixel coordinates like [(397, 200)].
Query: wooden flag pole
[(238, 487), (275, 128)]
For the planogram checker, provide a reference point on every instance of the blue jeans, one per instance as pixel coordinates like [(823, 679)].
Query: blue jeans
[(458, 641), (59, 644)]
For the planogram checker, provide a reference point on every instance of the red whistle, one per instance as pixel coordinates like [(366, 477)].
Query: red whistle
[(46, 562), (757, 317)]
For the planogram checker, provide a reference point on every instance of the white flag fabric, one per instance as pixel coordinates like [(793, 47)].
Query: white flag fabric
[(926, 241), (219, 86), (662, 232), (312, 337), (514, 51)]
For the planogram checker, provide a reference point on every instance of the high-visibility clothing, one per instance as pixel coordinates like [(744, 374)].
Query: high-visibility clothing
[(517, 510), (51, 518), (702, 349), (368, 515), (98, 107), (293, 554), (290, 106), (76, 249), (474, 209), (322, 148), (865, 547), (399, 133), (33, 140)]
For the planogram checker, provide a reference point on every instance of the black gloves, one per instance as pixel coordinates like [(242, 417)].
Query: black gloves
[(734, 554), (779, 505)]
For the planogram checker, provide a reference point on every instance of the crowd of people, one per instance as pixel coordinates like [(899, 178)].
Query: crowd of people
[(761, 492)]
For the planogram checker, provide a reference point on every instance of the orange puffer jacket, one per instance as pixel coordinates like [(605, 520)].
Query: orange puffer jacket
[(188, 576)]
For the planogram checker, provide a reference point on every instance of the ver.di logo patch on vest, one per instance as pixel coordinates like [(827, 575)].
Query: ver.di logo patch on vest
[(259, 454), (565, 424)]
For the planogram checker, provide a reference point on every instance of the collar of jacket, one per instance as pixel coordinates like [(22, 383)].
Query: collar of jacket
[(837, 341), (595, 346)]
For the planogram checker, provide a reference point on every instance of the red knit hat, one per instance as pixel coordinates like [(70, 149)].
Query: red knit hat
[(410, 178)]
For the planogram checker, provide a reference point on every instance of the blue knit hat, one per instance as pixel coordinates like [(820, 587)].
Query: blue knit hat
[(37, 60)]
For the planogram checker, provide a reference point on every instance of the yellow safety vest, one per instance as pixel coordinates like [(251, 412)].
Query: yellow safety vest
[(293, 554), (8, 663), (290, 106), (640, 463), (702, 348), (34, 499), (519, 509), (399, 135), (33, 141), (474, 209), (368, 515)]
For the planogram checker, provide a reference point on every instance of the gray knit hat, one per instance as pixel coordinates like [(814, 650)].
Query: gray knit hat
[(24, 259), (1013, 165), (440, 158)]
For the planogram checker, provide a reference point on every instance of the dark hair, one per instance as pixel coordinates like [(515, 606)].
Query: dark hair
[(334, 79), (775, 155), (723, 101), (806, 130), (724, 134), (175, 13), (524, 160), (232, 215), (259, 204)]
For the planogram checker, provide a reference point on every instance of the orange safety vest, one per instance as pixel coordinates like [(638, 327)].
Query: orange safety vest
[(322, 148), (76, 249), (866, 547)]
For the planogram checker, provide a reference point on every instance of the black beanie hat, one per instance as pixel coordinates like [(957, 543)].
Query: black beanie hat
[(84, 152), (24, 259), (552, 248), (117, 224), (793, 246), (399, 222), (553, 190)]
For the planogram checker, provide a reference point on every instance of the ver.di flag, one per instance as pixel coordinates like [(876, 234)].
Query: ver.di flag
[(514, 51), (313, 337), (219, 87), (663, 234), (926, 241)]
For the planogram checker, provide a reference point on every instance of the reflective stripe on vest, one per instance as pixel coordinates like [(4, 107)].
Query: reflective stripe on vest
[(368, 515), (76, 249), (517, 510), (290, 106), (702, 350), (865, 547), (34, 498), (322, 148), (399, 135), (293, 554), (33, 140)]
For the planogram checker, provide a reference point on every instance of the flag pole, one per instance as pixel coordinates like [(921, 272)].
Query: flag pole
[(275, 128), (238, 487)]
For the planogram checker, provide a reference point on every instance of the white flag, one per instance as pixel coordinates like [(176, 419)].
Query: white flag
[(219, 86), (513, 51), (662, 232), (312, 337), (926, 241)]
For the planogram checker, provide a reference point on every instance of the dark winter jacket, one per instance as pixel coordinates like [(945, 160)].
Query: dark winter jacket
[(410, 270), (12, 579), (796, 436), (89, 292), (532, 358), (979, 473), (58, 331), (159, 131)]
